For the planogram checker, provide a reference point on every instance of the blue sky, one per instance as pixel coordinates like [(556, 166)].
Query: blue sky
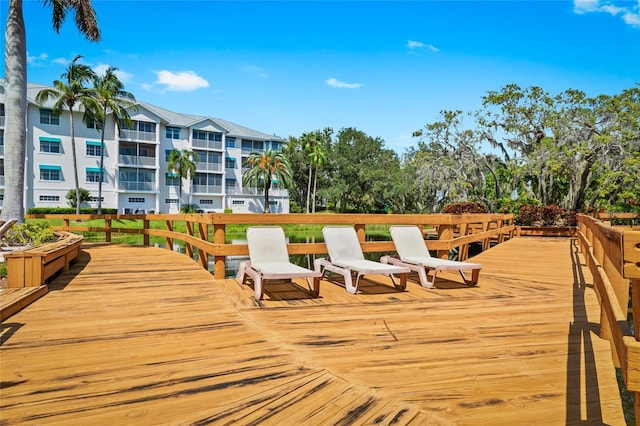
[(384, 67)]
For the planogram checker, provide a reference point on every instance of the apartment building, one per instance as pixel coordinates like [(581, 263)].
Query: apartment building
[(136, 177)]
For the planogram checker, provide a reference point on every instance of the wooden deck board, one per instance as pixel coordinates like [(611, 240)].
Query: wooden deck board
[(135, 335)]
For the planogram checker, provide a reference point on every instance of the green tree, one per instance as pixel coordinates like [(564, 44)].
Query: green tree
[(182, 164), (67, 95), (317, 158), (358, 167), (72, 197), (15, 73), (263, 169), (110, 98)]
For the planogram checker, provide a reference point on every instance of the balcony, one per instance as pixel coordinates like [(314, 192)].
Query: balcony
[(206, 189), (1, 120), (256, 191), (137, 160), (199, 143), (137, 186), (1, 180), (136, 135), (209, 167)]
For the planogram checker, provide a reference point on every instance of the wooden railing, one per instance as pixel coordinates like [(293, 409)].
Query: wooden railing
[(613, 257), (206, 233)]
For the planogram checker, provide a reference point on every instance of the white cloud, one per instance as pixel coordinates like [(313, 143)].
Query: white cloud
[(257, 70), (37, 60), (630, 14), (334, 82), (61, 61), (183, 81), (124, 77), (413, 44)]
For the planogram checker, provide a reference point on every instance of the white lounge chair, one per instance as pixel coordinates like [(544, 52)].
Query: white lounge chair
[(269, 260), (413, 253), (346, 257)]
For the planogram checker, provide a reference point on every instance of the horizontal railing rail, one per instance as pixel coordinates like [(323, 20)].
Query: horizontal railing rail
[(206, 233), (613, 257)]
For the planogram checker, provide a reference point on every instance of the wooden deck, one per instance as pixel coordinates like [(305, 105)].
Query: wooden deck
[(139, 335)]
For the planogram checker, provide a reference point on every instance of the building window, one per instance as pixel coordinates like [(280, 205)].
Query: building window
[(93, 175), (50, 145), (237, 202), (47, 116), (95, 199), (92, 123), (171, 201), (50, 198), (93, 149), (50, 173), (171, 179), (230, 184), (209, 202), (230, 142), (230, 163), (1, 110), (136, 199), (172, 132), (204, 136)]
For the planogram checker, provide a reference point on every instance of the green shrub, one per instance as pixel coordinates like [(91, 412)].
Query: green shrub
[(32, 233), (189, 208), (3, 269), (227, 210), (85, 197)]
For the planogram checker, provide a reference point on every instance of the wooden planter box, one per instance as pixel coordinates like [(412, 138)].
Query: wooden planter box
[(33, 266), (546, 231)]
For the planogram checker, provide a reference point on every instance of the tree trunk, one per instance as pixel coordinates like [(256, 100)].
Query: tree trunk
[(75, 159), (267, 186), (308, 189), (15, 137), (315, 185)]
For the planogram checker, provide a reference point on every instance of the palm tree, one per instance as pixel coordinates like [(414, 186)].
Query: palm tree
[(316, 158), (15, 72), (182, 163), (264, 168), (67, 95), (110, 97), (308, 142)]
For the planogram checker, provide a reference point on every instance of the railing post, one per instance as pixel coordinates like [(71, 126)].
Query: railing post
[(361, 232), (145, 226), (188, 246), (169, 240), (219, 237), (203, 256), (445, 232), (107, 232)]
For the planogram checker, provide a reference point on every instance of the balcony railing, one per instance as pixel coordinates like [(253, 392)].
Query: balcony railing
[(1, 120), (210, 167), (137, 186), (206, 189), (256, 191), (2, 149), (136, 160), (136, 135), (199, 143)]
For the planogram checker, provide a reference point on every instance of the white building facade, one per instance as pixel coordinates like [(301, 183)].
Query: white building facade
[(136, 177)]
